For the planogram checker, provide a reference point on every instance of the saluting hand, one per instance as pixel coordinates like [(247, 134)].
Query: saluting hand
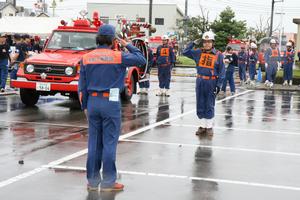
[(123, 42)]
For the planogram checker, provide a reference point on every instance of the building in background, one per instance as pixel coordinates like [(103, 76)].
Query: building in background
[(165, 16), (8, 8)]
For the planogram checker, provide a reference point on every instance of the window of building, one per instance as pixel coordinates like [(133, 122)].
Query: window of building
[(159, 21), (104, 19), (142, 19), (10, 14)]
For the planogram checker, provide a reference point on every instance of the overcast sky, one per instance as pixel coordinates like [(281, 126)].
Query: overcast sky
[(245, 10)]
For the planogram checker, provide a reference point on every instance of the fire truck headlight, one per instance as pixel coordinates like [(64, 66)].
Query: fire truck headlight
[(69, 71), (30, 68)]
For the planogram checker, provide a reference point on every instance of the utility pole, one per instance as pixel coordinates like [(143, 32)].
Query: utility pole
[(272, 15), (44, 6), (185, 19), (53, 6), (186, 8), (150, 14), (281, 29)]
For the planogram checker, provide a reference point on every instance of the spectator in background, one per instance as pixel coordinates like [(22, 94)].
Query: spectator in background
[(36, 45), (4, 61), (19, 55), (27, 42), (231, 61)]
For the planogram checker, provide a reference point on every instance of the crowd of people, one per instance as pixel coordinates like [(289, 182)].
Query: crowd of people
[(270, 59), (249, 62), (215, 70), (14, 50)]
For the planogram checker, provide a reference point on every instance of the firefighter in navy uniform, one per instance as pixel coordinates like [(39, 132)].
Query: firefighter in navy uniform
[(102, 75), (272, 58), (288, 63), (252, 61), (210, 76), (165, 61), (242, 62)]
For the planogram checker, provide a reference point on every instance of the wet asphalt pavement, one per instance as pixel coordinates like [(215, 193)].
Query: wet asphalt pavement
[(254, 154)]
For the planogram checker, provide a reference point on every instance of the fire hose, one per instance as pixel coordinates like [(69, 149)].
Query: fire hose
[(132, 31)]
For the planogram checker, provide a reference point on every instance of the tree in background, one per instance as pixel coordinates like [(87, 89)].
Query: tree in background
[(261, 30), (227, 27), (195, 26)]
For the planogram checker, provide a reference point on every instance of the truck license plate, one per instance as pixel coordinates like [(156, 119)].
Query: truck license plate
[(43, 86)]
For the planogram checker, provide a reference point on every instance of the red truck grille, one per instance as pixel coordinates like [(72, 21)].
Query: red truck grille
[(51, 70)]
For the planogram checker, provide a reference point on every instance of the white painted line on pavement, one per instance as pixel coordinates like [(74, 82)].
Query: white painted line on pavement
[(84, 151), (214, 147), (269, 107), (259, 131), (275, 100), (192, 178), (41, 168), (44, 123), (259, 117)]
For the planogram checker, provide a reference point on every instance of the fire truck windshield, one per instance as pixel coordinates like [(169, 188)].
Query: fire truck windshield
[(72, 40), (235, 47), (154, 45)]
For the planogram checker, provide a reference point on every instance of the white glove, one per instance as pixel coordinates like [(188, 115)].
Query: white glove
[(266, 65), (279, 64), (147, 76), (197, 42), (226, 61)]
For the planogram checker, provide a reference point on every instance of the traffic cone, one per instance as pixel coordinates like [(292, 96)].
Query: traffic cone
[(259, 75)]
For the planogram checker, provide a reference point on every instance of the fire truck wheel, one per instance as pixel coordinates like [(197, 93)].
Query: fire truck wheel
[(29, 97), (129, 90)]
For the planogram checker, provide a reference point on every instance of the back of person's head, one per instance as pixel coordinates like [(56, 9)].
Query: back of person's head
[(25, 36), (105, 35), (17, 37), (104, 40)]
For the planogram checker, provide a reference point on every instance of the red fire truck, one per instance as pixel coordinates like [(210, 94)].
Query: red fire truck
[(236, 45), (56, 69)]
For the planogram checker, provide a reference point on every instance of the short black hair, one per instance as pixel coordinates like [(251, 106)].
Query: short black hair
[(228, 48), (104, 40), (17, 37)]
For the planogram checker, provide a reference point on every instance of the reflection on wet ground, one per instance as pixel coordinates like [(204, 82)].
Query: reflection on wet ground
[(254, 153)]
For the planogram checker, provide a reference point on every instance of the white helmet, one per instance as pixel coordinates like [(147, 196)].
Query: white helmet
[(289, 44), (272, 41), (253, 45), (165, 37), (209, 35)]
